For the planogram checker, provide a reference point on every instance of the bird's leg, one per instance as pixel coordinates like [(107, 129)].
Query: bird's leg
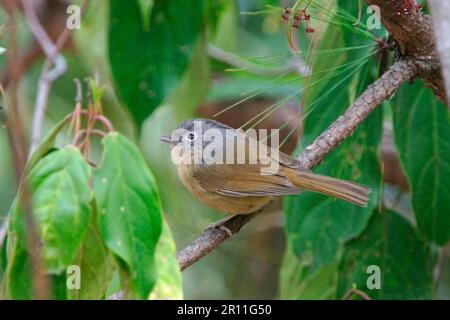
[(220, 224)]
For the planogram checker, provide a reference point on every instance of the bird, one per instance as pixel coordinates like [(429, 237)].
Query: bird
[(199, 147)]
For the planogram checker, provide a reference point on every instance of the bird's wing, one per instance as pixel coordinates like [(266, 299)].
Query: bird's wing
[(275, 154), (242, 180)]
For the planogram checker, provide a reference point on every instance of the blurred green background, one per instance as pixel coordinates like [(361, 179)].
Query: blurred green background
[(205, 57)]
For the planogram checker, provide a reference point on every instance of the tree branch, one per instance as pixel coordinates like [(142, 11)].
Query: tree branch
[(413, 32), (382, 89), (348, 295), (401, 71), (295, 64), (440, 13)]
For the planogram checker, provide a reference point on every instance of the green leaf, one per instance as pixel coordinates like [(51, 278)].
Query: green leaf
[(159, 52), (392, 244), (3, 261), (169, 284), (96, 265), (46, 145), (227, 27), (60, 197), (58, 286), (130, 211), (422, 131), (295, 284), (19, 278), (19, 281), (194, 85)]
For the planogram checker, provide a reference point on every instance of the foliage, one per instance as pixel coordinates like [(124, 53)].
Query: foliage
[(115, 208), (129, 210), (324, 233), (422, 128), (163, 43), (405, 274), (85, 224)]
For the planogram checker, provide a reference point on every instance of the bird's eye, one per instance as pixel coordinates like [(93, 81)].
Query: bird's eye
[(191, 136)]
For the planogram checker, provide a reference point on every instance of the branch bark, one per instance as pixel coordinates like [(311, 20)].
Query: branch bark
[(382, 89), (413, 32), (440, 13)]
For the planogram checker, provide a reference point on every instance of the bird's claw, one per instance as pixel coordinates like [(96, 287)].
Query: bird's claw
[(221, 226)]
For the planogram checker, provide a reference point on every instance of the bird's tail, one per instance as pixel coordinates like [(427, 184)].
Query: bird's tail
[(343, 189)]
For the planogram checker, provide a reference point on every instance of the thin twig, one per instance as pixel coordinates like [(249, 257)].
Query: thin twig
[(294, 65), (3, 231), (382, 89), (48, 75), (4, 224), (353, 291), (17, 142), (83, 132), (443, 255), (440, 14)]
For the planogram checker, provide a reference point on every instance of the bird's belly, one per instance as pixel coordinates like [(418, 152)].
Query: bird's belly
[(233, 205)]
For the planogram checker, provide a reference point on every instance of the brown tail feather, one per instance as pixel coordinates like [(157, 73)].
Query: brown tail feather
[(343, 189)]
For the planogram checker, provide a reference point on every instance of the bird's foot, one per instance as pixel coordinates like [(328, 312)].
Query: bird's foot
[(228, 231), (221, 224)]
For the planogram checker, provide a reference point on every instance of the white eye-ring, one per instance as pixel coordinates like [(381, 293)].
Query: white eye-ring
[(190, 136)]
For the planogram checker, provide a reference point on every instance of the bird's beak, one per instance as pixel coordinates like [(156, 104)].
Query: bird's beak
[(166, 139)]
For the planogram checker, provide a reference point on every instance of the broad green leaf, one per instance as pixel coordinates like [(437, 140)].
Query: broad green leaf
[(3, 261), (294, 285), (96, 265), (60, 197), (130, 211), (159, 51), (392, 244), (169, 284), (19, 281), (422, 136), (58, 286), (227, 28), (194, 85), (114, 286), (46, 145), (42, 149), (348, 12), (213, 12)]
